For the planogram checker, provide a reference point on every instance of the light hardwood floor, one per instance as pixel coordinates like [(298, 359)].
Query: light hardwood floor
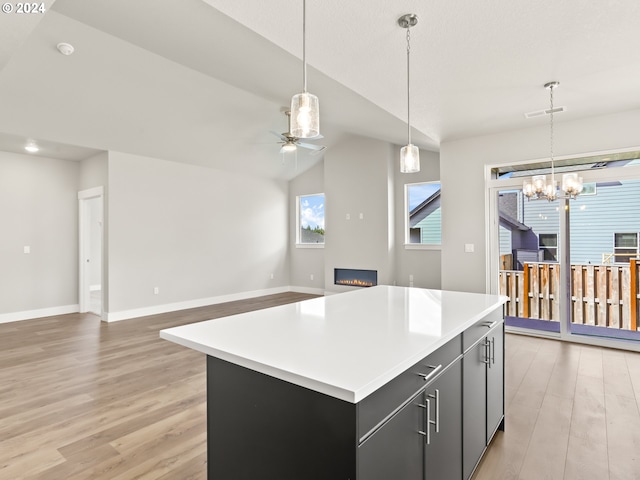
[(572, 412), (81, 399)]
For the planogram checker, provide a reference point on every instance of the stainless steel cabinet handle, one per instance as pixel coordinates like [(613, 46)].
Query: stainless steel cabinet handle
[(487, 354), (428, 422), (436, 423), (425, 433), (427, 376), (490, 325), (493, 351)]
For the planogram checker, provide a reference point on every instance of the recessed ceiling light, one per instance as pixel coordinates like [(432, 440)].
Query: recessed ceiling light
[(32, 148), (65, 48)]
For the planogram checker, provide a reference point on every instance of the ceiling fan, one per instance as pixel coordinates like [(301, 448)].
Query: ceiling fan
[(290, 143)]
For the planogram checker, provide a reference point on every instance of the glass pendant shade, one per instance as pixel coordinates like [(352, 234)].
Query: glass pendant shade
[(409, 159), (305, 115), (572, 184), (539, 184)]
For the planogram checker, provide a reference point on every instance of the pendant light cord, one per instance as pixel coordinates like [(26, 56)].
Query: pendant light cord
[(551, 134), (304, 46), (408, 88)]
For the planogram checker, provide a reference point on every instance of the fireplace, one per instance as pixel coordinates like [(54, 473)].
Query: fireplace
[(355, 278)]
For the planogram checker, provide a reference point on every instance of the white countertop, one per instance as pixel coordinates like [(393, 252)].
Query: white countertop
[(346, 345)]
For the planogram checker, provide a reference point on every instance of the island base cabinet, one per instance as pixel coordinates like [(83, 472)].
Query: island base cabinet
[(495, 382), (260, 427), (396, 450), (483, 393), (474, 407), (443, 451), (423, 441)]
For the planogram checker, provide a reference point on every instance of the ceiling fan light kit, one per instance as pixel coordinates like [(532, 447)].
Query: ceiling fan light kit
[(409, 154), (305, 108)]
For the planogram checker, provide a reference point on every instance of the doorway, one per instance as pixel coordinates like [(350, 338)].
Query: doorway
[(91, 250), (570, 267)]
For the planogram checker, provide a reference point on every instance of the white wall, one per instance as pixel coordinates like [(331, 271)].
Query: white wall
[(463, 184), (305, 262), (424, 265), (193, 232), (39, 209)]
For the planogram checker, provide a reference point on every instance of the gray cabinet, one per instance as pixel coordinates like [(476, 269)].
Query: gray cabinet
[(482, 388), (443, 407), (423, 440), (495, 380), (396, 450)]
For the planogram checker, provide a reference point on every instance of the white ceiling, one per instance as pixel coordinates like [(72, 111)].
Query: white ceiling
[(204, 81)]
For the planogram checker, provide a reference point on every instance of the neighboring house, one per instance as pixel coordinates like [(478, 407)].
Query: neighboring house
[(604, 225), (425, 221)]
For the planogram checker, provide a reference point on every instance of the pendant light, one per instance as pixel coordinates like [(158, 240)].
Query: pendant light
[(409, 154), (538, 188), (305, 109)]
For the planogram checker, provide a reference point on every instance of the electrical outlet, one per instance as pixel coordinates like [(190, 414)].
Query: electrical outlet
[(348, 216), (271, 276), (156, 290), (311, 277), (26, 249), (469, 247)]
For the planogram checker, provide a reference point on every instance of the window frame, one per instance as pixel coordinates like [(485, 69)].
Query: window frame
[(407, 221), (623, 250), (299, 243)]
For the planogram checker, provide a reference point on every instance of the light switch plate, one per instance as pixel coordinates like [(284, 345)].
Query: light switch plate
[(26, 249), (469, 247)]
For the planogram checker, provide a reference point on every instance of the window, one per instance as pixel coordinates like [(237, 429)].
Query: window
[(422, 202), (625, 246), (310, 219), (548, 244)]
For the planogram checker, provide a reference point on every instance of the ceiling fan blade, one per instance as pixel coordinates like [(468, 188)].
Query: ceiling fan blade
[(317, 152), (279, 135), (310, 146)]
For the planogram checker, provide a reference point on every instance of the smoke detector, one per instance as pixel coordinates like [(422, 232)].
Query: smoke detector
[(65, 48)]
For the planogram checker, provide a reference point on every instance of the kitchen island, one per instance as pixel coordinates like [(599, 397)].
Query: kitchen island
[(379, 383)]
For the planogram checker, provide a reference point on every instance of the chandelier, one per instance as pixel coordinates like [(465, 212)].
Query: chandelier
[(537, 188)]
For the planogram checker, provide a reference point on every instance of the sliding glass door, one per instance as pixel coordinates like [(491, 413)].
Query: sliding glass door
[(570, 267)]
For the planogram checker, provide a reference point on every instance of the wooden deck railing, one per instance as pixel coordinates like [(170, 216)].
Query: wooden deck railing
[(602, 295)]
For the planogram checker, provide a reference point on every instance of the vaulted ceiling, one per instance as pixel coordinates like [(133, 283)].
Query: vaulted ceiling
[(204, 81)]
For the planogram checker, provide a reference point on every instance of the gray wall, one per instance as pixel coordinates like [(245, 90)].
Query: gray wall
[(424, 265), (358, 179), (305, 262), (463, 181), (193, 232), (38, 208)]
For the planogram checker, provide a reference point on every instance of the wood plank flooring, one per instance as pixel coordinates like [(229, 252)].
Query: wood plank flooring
[(81, 399), (572, 412)]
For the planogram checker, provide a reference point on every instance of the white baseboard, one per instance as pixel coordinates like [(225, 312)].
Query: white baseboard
[(309, 290), (157, 309), (201, 302), (41, 312)]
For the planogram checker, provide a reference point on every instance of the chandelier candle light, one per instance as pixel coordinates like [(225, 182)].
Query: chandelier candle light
[(305, 109), (409, 154), (537, 188)]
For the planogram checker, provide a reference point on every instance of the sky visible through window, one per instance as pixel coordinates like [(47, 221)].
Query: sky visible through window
[(312, 211), (418, 193)]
